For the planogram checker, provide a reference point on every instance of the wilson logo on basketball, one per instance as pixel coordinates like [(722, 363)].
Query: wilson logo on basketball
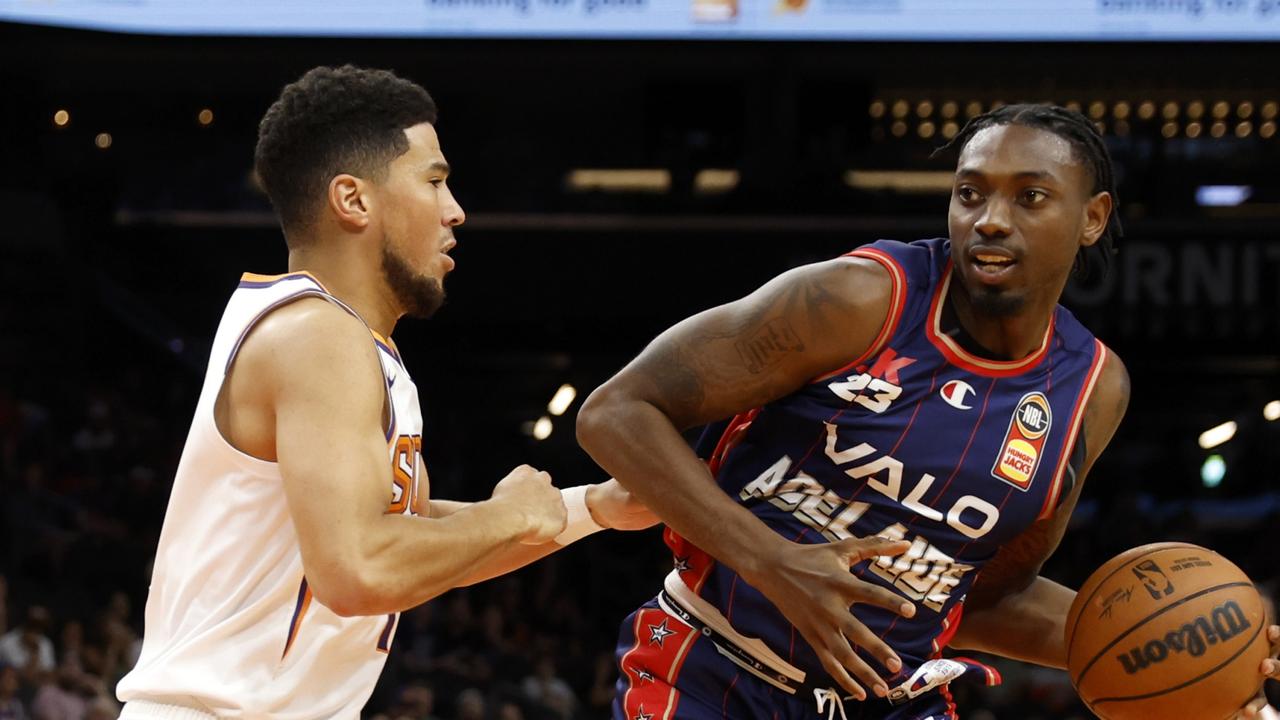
[(1020, 454), (1224, 622)]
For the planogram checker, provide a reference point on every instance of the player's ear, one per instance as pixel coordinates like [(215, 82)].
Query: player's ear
[(1097, 211), (348, 200)]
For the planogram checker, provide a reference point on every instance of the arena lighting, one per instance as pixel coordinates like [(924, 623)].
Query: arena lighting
[(1121, 110), (1244, 129), (1121, 128), (926, 129), (1267, 130), (562, 399), (1169, 129), (1270, 109), (1194, 129), (950, 108), (908, 182), (205, 117), (950, 130), (1195, 110), (973, 108), (898, 129), (1146, 110), (1170, 110), (1215, 436), (1271, 410), (711, 181), (1097, 109), (1072, 105), (1223, 195), (1213, 470), (102, 140), (1244, 110), (900, 108), (924, 109), (619, 180), (1220, 109), (542, 428), (61, 118), (1218, 129), (877, 108)]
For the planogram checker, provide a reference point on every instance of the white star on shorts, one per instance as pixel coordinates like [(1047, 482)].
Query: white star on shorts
[(658, 633)]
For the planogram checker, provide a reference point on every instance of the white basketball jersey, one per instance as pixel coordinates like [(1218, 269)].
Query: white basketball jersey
[(231, 625)]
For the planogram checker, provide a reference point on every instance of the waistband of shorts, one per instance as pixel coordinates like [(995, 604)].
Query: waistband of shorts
[(679, 602), (147, 710)]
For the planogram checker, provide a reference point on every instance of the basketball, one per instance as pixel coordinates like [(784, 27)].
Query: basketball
[(1168, 630)]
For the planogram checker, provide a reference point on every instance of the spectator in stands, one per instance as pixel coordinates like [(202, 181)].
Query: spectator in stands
[(471, 705), (10, 705), (28, 648), (548, 690)]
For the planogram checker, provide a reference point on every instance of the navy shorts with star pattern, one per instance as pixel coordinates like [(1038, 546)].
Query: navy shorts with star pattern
[(669, 671)]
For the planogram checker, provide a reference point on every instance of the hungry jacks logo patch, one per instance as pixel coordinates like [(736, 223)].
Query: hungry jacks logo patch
[(1024, 441)]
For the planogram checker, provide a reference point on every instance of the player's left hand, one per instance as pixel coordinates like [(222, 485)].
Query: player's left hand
[(613, 506), (1271, 670)]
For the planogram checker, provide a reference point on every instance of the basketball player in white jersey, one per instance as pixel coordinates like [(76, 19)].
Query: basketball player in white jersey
[(299, 524)]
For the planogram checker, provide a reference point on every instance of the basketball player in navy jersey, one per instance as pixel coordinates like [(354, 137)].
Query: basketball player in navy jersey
[(912, 427)]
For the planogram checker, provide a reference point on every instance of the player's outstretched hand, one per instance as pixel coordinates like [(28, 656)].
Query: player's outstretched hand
[(613, 506), (534, 500), (812, 586), (1271, 670)]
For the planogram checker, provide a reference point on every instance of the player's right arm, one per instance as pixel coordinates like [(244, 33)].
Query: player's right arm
[(310, 370), (803, 324)]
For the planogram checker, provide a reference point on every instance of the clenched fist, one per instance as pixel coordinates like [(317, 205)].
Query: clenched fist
[(534, 501)]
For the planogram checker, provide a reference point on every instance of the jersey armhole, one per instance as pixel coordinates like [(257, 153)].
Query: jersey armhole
[(1052, 500), (388, 412), (897, 302)]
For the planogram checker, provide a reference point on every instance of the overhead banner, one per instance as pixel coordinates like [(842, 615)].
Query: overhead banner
[(868, 20)]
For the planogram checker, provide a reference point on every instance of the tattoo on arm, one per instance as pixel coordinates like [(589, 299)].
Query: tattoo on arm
[(679, 378), (768, 344), (1016, 564), (777, 328)]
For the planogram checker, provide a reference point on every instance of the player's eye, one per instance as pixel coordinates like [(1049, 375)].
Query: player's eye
[(967, 194), (1034, 197)]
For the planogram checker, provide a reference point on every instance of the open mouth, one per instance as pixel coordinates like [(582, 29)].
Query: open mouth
[(991, 264)]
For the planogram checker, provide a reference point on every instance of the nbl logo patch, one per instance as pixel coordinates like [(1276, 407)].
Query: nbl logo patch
[(1024, 442)]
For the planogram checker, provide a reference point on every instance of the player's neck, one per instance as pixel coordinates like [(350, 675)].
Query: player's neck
[(354, 280), (998, 337)]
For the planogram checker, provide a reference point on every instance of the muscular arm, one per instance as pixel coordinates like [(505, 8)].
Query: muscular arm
[(312, 367), (1011, 610), (727, 360), (802, 325)]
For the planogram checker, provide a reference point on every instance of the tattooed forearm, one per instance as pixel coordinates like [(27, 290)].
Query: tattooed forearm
[(1015, 565), (752, 351), (766, 347)]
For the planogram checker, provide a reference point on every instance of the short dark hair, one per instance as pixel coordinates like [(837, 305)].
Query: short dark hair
[(330, 121), (1090, 149)]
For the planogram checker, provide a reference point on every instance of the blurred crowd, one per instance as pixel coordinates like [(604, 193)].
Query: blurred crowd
[(85, 468)]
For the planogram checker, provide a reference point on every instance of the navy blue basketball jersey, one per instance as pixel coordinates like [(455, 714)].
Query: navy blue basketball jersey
[(917, 439)]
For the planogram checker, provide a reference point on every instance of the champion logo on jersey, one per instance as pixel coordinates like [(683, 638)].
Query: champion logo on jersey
[(1024, 441), (955, 392)]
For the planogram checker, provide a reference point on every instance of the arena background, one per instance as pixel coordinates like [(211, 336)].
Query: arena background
[(128, 219)]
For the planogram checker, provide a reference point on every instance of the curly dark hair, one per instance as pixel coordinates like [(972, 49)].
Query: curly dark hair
[(329, 121), (1089, 148)]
